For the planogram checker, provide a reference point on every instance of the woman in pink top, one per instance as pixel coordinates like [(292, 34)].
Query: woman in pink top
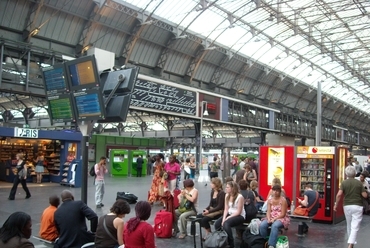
[(100, 170), (173, 169), (276, 216)]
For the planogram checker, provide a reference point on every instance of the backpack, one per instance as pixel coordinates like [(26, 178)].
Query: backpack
[(130, 198), (253, 241), (163, 224), (92, 171), (249, 207)]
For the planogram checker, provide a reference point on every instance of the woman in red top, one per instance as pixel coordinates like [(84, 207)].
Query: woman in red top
[(137, 232)]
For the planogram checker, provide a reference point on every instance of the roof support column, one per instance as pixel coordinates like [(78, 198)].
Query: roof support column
[(28, 68), (318, 125), (1, 64)]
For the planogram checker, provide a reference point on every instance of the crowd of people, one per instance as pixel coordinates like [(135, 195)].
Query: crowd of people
[(230, 204)]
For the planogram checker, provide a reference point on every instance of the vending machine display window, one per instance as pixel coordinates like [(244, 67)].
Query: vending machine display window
[(313, 172)]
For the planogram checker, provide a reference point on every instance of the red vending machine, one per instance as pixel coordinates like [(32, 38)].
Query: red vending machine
[(276, 161), (318, 166)]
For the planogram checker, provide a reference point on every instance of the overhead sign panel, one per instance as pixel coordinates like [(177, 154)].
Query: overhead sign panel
[(163, 97)]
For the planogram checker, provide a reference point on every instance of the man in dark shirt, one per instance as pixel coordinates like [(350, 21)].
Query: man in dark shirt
[(139, 165), (309, 199), (71, 224)]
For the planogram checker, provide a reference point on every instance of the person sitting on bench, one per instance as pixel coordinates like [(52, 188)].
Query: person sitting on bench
[(308, 201), (276, 216), (48, 230)]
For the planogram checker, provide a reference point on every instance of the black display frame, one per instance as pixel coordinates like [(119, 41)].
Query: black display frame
[(50, 109), (75, 62), (100, 102), (45, 70)]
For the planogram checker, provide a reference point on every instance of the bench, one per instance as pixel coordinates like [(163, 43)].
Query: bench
[(46, 242), (300, 219), (193, 220)]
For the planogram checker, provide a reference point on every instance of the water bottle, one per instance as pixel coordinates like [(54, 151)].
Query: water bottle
[(292, 207)]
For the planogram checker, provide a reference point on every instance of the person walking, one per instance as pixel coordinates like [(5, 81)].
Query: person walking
[(173, 170), (20, 177), (39, 167), (139, 166), (352, 190), (100, 170)]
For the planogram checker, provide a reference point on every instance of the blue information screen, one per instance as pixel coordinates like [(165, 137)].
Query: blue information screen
[(88, 105), (54, 80)]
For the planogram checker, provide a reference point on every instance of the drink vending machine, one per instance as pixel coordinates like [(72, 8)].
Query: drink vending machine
[(320, 166)]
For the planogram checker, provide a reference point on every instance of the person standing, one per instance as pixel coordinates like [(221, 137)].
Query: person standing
[(309, 199), (213, 168), (39, 167), (48, 229), (100, 170), (173, 169), (192, 166), (352, 190), (71, 224), (20, 177), (139, 165), (153, 194), (149, 165), (16, 231)]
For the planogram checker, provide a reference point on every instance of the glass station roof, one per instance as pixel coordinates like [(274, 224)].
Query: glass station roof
[(310, 40)]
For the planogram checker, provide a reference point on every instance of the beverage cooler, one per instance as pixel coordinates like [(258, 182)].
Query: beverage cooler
[(320, 166)]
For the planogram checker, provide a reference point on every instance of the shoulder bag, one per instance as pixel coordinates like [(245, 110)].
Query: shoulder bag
[(107, 231), (304, 211), (216, 239)]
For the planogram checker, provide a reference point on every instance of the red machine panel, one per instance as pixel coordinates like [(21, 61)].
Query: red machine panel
[(276, 161)]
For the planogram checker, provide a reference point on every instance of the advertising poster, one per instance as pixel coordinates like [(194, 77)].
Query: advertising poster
[(276, 161)]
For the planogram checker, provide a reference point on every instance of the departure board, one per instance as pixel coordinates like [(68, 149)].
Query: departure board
[(60, 108), (54, 79), (163, 97), (89, 105), (82, 73)]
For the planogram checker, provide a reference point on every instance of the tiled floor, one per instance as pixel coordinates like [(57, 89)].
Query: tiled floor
[(320, 235)]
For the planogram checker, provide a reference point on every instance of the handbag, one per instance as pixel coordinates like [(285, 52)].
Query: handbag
[(215, 213), (282, 242), (186, 205), (305, 211), (216, 239)]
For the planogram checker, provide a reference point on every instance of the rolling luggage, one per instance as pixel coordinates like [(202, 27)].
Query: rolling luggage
[(163, 224)]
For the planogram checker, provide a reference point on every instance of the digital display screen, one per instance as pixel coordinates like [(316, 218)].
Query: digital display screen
[(89, 105), (82, 73), (61, 108), (54, 79)]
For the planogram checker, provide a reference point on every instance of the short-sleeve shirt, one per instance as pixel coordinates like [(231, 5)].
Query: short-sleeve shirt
[(175, 168), (352, 190)]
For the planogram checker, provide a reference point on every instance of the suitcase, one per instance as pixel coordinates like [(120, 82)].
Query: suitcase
[(163, 224), (176, 202)]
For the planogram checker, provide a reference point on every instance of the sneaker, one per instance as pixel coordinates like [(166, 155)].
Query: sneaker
[(98, 206), (101, 204)]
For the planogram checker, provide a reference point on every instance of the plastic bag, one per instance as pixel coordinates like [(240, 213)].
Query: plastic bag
[(254, 226), (282, 242)]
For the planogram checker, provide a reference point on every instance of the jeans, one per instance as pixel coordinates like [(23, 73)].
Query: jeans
[(204, 222), (99, 191), (353, 215), (183, 220), (15, 186), (274, 231), (227, 227)]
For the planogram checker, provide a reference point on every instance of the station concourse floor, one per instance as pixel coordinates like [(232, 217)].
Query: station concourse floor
[(319, 235)]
